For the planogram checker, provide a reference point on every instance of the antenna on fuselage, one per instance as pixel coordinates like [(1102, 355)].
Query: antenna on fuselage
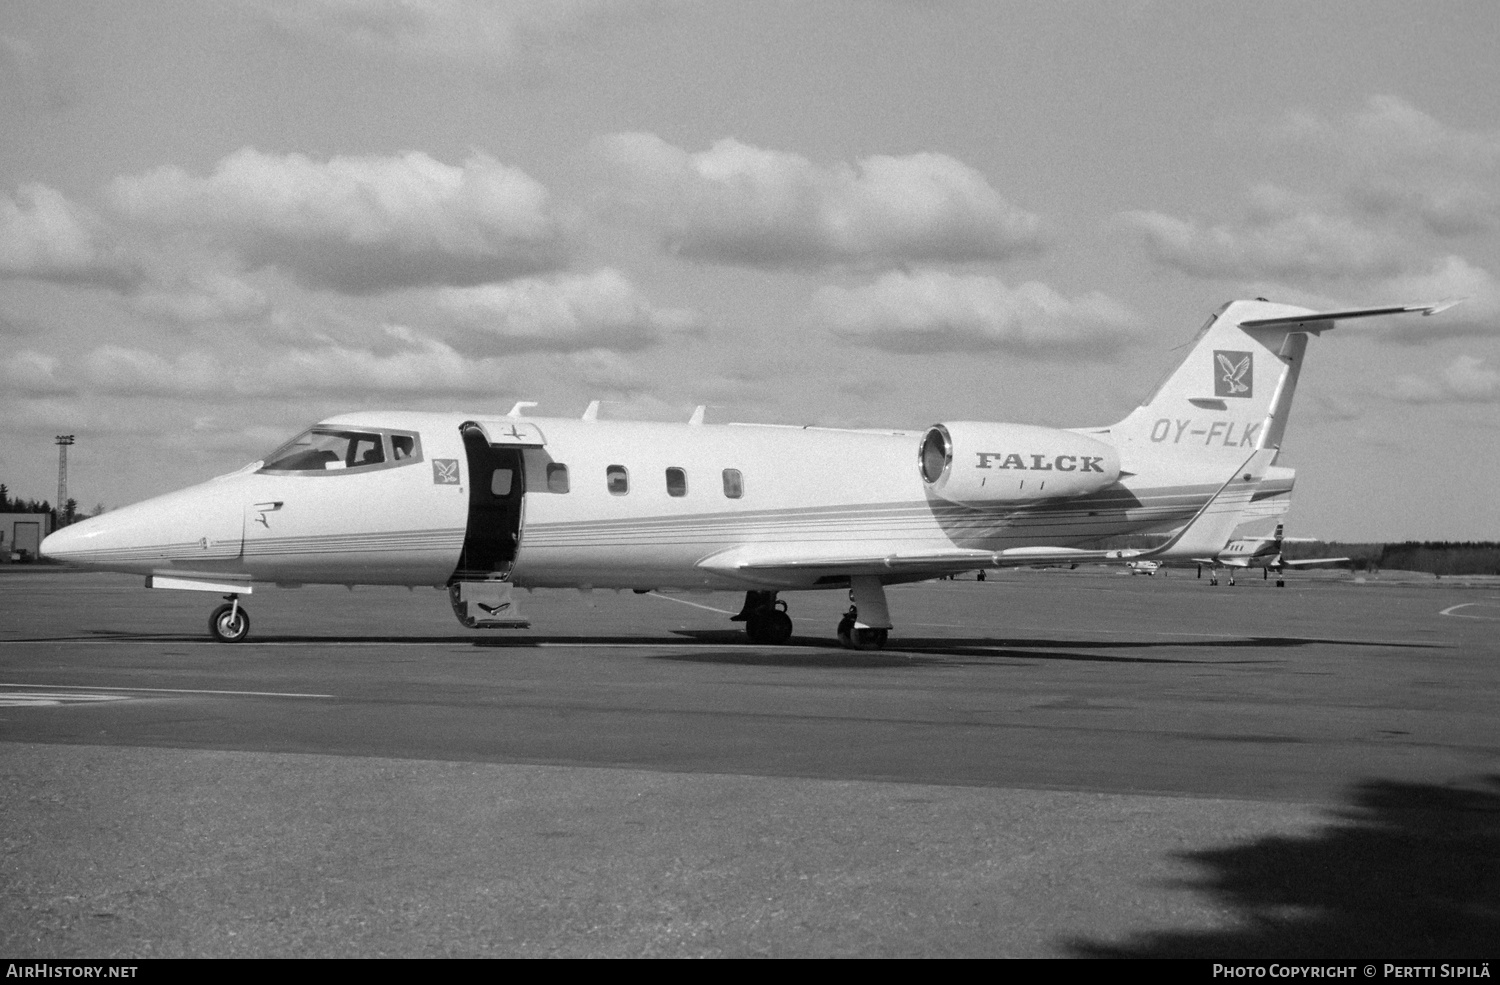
[(591, 412), (520, 406), (698, 411)]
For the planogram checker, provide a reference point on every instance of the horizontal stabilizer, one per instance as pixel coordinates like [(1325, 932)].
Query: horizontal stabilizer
[(1310, 317)]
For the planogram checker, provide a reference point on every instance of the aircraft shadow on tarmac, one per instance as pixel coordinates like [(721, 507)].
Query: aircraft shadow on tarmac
[(902, 651), (974, 651), (1408, 870)]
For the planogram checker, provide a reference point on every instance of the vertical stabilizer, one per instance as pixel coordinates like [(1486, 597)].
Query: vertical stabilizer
[(1229, 396), (1233, 391)]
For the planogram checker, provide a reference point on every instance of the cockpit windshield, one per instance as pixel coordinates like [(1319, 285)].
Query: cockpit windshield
[(325, 449)]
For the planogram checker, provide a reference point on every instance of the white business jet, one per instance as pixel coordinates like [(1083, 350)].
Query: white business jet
[(1243, 552), (479, 504), (1264, 553)]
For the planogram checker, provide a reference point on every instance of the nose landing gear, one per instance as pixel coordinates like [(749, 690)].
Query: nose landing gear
[(229, 623)]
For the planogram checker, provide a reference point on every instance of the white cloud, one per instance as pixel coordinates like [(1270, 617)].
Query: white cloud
[(137, 372), (738, 204), (599, 310), (1395, 184), (212, 297), (430, 367), (419, 365), (1465, 380), (1280, 236), (488, 31), (33, 373), (607, 371), (935, 311), (1448, 278), (45, 236), (358, 224), (1402, 163)]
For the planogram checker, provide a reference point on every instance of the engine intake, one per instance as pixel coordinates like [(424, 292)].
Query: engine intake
[(981, 464)]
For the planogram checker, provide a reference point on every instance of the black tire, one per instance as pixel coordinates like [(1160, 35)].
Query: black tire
[(870, 639), (768, 626), (776, 628), (846, 632), (225, 629)]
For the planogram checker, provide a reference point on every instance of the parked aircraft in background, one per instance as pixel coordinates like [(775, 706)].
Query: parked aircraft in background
[(479, 504), (1246, 552)]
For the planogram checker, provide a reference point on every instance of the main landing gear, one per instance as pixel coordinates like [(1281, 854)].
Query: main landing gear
[(853, 636), (765, 619), (229, 623), (866, 625)]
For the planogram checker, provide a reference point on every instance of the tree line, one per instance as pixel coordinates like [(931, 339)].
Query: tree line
[(1437, 557), (69, 511)]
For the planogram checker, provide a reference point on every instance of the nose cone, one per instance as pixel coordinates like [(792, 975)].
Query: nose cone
[(67, 543), (181, 529)]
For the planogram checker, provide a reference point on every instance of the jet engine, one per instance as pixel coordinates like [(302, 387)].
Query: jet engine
[(982, 464)]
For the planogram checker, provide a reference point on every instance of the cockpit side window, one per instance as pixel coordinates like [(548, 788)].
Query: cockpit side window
[(322, 450)]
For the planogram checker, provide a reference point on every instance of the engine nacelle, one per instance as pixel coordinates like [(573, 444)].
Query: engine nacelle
[(979, 464)]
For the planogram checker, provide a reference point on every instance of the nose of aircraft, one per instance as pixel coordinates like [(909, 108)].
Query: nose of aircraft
[(67, 543), (203, 523)]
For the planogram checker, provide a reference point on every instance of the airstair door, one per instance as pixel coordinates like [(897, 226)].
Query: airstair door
[(497, 489)]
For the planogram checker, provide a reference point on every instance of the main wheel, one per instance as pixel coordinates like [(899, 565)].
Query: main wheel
[(776, 629), (846, 632), (770, 626), (869, 639), (228, 626)]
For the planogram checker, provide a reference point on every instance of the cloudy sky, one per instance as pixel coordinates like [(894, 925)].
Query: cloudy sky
[(220, 222)]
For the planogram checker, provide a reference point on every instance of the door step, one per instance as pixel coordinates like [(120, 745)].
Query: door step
[(486, 605)]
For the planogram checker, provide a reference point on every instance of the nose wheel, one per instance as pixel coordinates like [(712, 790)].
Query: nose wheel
[(229, 623)]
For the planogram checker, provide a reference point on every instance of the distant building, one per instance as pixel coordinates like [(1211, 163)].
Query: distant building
[(21, 535)]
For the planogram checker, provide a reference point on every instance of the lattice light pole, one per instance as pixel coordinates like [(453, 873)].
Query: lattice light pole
[(63, 441)]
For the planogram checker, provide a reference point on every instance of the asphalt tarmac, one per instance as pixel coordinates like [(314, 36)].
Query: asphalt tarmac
[(1048, 763)]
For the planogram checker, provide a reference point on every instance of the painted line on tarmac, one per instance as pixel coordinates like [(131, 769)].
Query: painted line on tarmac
[(1465, 615), (696, 605), (42, 699), (127, 691)]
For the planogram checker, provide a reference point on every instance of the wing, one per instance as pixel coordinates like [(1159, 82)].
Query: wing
[(1308, 562)]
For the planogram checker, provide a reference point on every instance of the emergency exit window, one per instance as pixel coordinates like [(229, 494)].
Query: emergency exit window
[(557, 477), (618, 480), (676, 482)]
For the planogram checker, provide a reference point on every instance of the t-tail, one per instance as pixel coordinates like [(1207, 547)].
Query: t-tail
[(1232, 394)]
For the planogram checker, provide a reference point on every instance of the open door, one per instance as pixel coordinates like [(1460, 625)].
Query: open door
[(497, 489)]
